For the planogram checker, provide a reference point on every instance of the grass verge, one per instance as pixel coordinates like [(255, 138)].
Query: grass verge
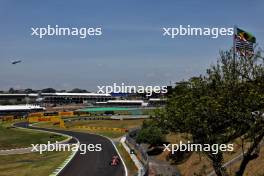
[(31, 163), (11, 137), (132, 169)]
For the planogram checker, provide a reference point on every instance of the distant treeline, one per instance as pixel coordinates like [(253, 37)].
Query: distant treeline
[(46, 90)]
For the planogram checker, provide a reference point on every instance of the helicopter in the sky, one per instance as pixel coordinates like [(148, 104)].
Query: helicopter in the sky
[(16, 62)]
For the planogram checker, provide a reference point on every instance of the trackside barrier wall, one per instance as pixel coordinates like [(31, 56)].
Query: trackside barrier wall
[(44, 119), (7, 118), (140, 152)]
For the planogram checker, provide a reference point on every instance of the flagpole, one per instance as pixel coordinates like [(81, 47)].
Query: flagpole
[(234, 48), (234, 43)]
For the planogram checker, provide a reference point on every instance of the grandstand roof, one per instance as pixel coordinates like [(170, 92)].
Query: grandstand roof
[(125, 101), (104, 109), (75, 94), (31, 95), (20, 107)]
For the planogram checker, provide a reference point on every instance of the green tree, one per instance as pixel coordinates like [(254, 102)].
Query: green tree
[(77, 90), (217, 108), (150, 134), (11, 90), (48, 90)]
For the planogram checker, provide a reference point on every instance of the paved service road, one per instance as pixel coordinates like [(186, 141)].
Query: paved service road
[(91, 163)]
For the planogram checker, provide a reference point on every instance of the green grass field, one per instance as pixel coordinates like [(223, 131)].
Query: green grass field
[(31, 164), (16, 138)]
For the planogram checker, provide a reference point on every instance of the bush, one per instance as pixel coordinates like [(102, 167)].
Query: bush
[(151, 135)]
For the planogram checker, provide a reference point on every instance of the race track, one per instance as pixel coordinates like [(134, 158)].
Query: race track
[(92, 163)]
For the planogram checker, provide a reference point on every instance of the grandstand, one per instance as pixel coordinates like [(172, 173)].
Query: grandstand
[(6, 99), (78, 98), (54, 98), (19, 110)]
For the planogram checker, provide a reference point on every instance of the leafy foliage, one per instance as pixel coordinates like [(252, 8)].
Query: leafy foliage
[(217, 108), (150, 134)]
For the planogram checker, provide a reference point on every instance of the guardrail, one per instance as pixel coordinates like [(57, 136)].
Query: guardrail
[(140, 152)]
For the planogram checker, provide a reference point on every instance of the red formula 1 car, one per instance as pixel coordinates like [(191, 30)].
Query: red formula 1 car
[(115, 161)]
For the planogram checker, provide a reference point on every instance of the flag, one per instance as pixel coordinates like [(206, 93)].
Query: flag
[(245, 36), (244, 42)]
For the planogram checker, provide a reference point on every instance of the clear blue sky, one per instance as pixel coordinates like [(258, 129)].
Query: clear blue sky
[(132, 49)]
